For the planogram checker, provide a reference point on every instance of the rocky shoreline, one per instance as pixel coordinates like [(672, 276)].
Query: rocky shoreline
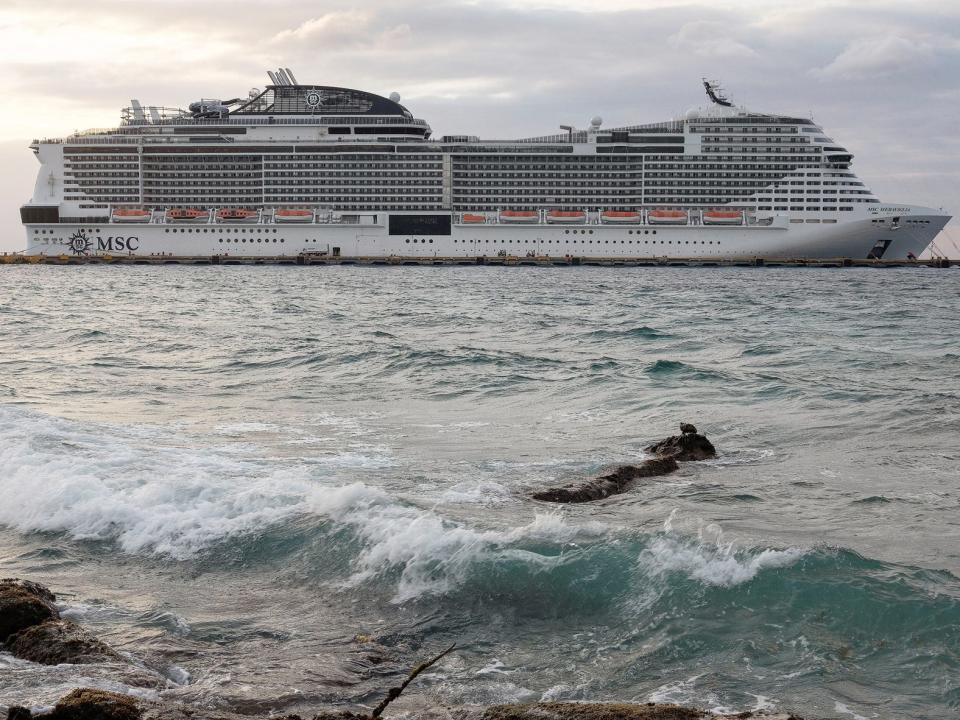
[(31, 629)]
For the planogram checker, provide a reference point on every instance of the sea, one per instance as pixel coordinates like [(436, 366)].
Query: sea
[(278, 489)]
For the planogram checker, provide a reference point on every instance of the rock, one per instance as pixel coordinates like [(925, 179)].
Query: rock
[(689, 446), (23, 604), (59, 641), (17, 712), (687, 428), (613, 483), (90, 704)]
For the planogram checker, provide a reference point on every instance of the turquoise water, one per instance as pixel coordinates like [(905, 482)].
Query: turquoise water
[(231, 473)]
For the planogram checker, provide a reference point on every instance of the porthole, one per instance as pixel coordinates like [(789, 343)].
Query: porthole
[(282, 240), (408, 241), (431, 241)]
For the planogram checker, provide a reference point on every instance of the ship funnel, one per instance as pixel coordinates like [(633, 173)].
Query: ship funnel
[(273, 78), (137, 111), (290, 75), (283, 77)]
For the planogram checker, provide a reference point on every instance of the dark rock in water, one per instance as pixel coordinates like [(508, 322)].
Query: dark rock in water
[(16, 712), (59, 641), (89, 704), (689, 446), (687, 428), (23, 604), (612, 483)]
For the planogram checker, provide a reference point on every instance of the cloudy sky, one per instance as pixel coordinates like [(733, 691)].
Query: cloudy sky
[(882, 76)]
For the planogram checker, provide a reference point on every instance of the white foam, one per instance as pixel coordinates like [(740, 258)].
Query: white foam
[(710, 559), (433, 555), (483, 492), (841, 708), (145, 490)]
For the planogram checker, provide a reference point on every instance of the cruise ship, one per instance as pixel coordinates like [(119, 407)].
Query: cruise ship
[(295, 169)]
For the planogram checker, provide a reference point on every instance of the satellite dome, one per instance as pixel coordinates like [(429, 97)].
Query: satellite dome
[(254, 92), (597, 121), (693, 114), (395, 96)]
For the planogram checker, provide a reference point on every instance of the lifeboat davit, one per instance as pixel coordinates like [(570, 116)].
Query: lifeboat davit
[(567, 217), (620, 216), (293, 215), (236, 215), (722, 217), (473, 219), (131, 215), (667, 217), (519, 216), (186, 214)]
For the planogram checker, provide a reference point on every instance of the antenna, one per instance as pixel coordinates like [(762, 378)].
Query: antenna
[(290, 75), (273, 78)]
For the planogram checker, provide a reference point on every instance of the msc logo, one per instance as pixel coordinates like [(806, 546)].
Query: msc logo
[(80, 244)]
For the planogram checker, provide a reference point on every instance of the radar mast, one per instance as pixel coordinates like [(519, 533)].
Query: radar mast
[(715, 93)]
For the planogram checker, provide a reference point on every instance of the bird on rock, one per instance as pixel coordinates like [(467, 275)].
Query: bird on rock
[(687, 428)]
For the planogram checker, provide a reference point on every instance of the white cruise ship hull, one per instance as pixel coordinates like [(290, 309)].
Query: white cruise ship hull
[(371, 238)]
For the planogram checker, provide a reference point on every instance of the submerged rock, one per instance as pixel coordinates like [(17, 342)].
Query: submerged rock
[(617, 481), (688, 446), (24, 604), (59, 641)]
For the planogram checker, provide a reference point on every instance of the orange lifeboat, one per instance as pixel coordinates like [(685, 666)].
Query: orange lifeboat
[(473, 219), (236, 215), (619, 216), (186, 214), (131, 215), (567, 217), (519, 216), (293, 215), (667, 217), (722, 217)]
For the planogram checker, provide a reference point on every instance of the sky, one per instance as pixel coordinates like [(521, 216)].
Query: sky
[(883, 77)]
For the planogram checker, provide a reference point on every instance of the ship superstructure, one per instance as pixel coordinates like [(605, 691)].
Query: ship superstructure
[(326, 169)]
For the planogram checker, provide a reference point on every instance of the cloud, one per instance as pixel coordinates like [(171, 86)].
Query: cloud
[(877, 57), (341, 29), (709, 39)]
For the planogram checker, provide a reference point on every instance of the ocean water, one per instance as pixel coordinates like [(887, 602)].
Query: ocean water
[(276, 488)]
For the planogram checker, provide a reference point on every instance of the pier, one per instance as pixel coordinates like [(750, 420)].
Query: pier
[(494, 260)]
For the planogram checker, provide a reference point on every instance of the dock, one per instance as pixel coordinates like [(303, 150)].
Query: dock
[(495, 260)]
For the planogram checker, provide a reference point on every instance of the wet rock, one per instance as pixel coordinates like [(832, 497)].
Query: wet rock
[(688, 446), (90, 704), (59, 641), (23, 604), (16, 712), (617, 481)]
